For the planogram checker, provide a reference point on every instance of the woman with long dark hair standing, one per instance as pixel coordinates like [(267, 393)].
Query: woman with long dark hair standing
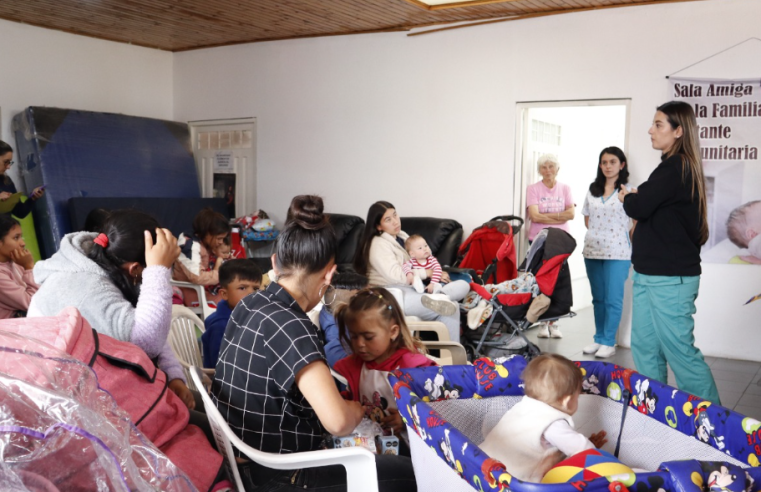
[(607, 248), (670, 210)]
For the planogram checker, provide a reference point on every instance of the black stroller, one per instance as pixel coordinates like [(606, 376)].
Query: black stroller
[(542, 292)]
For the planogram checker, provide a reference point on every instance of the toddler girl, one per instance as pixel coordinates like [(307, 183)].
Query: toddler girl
[(373, 325), (16, 263), (538, 432)]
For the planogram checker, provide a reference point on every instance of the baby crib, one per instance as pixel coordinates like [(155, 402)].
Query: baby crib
[(678, 438)]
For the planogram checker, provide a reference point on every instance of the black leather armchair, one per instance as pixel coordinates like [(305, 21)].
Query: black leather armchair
[(348, 230), (444, 236)]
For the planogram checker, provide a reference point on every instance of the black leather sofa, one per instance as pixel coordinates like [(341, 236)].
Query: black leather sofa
[(348, 230), (444, 236)]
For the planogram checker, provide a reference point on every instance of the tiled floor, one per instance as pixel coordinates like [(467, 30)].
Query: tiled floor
[(739, 382)]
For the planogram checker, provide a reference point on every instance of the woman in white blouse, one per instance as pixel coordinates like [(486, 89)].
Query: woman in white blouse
[(607, 248)]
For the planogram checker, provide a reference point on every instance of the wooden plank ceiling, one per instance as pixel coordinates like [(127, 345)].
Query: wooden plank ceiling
[(178, 25)]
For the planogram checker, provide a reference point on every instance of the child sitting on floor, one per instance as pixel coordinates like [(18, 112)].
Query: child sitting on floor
[(16, 279), (374, 326), (237, 279), (538, 432)]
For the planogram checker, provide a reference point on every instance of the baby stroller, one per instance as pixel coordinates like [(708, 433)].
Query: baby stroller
[(541, 292), (488, 254)]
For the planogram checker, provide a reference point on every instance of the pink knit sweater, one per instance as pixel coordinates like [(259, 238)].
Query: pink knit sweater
[(16, 289)]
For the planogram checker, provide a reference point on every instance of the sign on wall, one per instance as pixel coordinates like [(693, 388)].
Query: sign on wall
[(729, 118)]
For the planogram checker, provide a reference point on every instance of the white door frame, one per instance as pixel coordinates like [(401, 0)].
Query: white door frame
[(244, 178), (523, 177)]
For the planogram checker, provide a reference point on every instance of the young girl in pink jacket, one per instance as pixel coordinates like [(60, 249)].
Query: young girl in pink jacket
[(16, 280)]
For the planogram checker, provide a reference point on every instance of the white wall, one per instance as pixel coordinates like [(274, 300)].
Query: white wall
[(41, 67), (428, 122)]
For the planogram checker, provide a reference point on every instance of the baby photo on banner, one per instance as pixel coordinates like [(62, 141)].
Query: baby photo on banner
[(729, 116)]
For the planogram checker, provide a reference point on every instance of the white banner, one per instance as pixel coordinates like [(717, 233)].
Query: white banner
[(729, 116)]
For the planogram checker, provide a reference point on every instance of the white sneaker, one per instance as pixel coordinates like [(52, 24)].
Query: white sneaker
[(554, 331), (417, 283), (475, 314), (591, 348), (544, 331), (440, 304), (605, 351)]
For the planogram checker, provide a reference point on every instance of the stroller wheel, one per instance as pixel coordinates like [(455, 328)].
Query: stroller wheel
[(532, 350)]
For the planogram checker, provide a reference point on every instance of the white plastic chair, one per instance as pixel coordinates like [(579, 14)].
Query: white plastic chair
[(182, 339), (203, 309), (361, 475), (456, 356), (433, 326)]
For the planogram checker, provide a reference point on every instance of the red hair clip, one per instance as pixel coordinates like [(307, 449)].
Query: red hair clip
[(101, 240)]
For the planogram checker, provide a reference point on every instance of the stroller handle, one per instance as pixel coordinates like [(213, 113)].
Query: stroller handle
[(511, 218)]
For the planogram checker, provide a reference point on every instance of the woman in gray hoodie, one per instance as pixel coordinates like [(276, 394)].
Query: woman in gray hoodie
[(119, 282)]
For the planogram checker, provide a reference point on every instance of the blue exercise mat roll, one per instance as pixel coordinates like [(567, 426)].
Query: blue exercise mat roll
[(83, 153)]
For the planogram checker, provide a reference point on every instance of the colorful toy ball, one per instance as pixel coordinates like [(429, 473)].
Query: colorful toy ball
[(588, 465)]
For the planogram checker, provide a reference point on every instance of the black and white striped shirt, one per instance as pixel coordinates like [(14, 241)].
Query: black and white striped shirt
[(268, 340)]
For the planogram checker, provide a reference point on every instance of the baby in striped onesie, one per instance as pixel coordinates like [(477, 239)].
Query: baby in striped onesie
[(421, 258)]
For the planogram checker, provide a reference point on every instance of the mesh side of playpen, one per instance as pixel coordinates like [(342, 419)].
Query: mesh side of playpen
[(645, 445)]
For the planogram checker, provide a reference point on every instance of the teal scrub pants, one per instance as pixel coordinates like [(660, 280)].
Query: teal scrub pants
[(662, 332)]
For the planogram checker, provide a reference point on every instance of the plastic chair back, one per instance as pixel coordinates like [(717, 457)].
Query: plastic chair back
[(203, 309), (361, 474), (184, 342), (217, 422)]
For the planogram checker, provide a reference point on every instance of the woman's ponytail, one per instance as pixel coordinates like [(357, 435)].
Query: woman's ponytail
[(118, 276), (121, 241)]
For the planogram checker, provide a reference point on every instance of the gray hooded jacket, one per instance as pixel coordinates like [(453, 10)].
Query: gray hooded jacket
[(70, 278)]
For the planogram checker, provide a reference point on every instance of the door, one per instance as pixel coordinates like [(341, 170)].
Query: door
[(575, 132), (225, 155)]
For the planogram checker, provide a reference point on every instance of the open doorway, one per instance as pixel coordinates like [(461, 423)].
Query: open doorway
[(225, 154), (575, 132)]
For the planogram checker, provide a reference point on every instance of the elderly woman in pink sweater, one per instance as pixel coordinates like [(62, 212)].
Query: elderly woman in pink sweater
[(16, 280)]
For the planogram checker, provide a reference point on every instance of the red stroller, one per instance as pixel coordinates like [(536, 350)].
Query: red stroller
[(550, 299), (489, 252)]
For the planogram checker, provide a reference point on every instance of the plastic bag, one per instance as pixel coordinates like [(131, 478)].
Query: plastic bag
[(364, 435), (60, 431)]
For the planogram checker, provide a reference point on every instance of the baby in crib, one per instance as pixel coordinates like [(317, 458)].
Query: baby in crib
[(538, 432)]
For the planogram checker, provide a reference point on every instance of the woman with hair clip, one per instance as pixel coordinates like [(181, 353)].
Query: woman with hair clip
[(272, 382), (7, 188), (119, 281), (607, 248), (670, 210), (381, 255)]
